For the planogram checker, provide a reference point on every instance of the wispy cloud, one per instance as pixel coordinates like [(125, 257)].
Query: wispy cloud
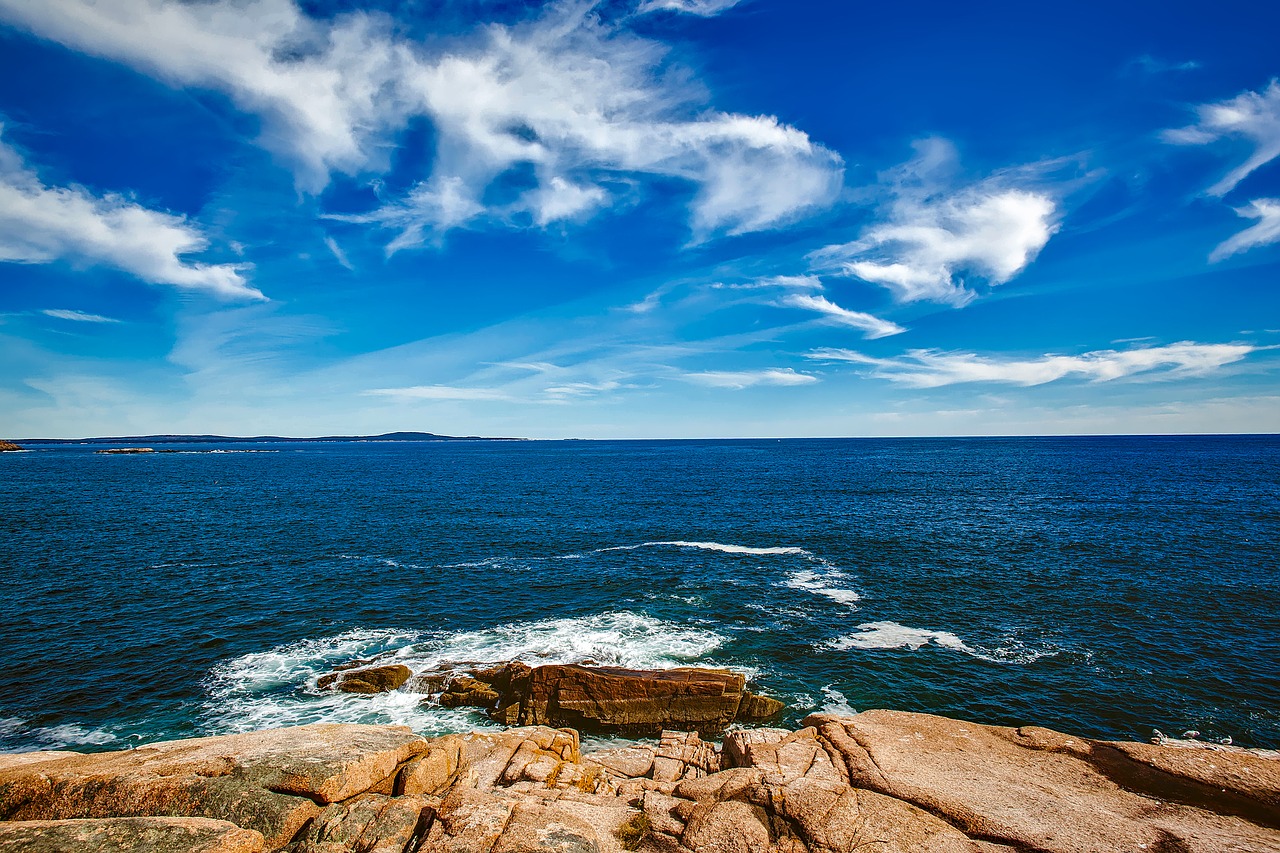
[(934, 369), (338, 255), (1252, 116), (1147, 64), (438, 392), (702, 8), (934, 236), (773, 282), (873, 326), (1266, 232), (77, 316), (740, 379), (40, 224), (581, 105)]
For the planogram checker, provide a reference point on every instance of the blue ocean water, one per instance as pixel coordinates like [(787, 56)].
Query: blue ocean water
[(1103, 586)]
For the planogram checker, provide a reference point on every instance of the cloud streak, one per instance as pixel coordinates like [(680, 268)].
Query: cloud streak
[(934, 238), (738, 380), (77, 316), (934, 369), (40, 224), (1251, 116), (872, 326), (1266, 232), (701, 8)]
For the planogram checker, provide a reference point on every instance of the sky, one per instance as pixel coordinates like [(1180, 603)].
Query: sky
[(638, 218)]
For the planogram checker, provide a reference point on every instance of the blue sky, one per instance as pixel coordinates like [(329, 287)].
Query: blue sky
[(638, 218)]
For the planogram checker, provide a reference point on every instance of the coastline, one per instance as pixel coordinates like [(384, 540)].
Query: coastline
[(881, 780)]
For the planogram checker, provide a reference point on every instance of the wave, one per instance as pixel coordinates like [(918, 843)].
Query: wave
[(278, 687), (836, 702), (878, 636), (15, 731)]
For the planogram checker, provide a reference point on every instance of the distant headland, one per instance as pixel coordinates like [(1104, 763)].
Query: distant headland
[(258, 439)]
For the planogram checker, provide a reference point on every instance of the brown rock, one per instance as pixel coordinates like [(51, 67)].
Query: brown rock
[(632, 762), (369, 823), (22, 759), (727, 827), (374, 679), (128, 835), (269, 781), (1043, 791), (758, 709), (8, 446), (637, 702), (465, 691)]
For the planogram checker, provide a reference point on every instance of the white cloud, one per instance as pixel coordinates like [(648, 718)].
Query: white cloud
[(933, 369), (933, 237), (1253, 116), (40, 224), (338, 255), (784, 282), (579, 105), (873, 326), (1266, 232), (77, 316), (701, 8), (740, 379), (437, 392)]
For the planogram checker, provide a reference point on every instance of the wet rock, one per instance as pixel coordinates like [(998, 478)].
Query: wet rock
[(464, 691), (374, 679), (129, 835), (758, 709)]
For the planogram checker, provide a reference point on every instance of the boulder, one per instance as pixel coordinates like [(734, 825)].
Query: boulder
[(373, 679), (272, 781), (464, 691), (129, 835), (634, 702), (9, 446), (1042, 790)]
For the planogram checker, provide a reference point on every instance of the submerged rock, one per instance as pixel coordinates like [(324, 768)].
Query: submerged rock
[(373, 679)]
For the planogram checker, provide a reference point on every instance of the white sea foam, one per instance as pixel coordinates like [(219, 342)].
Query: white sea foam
[(52, 737), (891, 635), (277, 687), (710, 546), (875, 636), (836, 702), (819, 583)]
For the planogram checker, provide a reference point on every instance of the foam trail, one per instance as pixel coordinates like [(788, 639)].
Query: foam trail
[(837, 702), (51, 737), (818, 584), (710, 546), (876, 636), (891, 635)]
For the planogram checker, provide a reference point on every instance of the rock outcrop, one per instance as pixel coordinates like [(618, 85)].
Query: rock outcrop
[(882, 780), (9, 446), (611, 700), (372, 679)]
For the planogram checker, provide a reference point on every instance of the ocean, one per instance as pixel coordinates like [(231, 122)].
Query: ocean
[(1101, 586)]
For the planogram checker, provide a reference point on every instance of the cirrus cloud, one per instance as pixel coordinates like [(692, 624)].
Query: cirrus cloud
[(872, 326), (1252, 116), (1266, 232), (933, 369), (737, 380)]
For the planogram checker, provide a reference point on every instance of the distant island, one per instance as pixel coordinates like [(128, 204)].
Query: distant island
[(263, 439)]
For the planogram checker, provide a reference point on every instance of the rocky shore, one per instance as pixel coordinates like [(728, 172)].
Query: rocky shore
[(9, 446), (877, 781)]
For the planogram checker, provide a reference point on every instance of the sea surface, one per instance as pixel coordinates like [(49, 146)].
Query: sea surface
[(1102, 586)]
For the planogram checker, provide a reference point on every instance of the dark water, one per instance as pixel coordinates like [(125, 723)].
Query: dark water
[(1104, 586)]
